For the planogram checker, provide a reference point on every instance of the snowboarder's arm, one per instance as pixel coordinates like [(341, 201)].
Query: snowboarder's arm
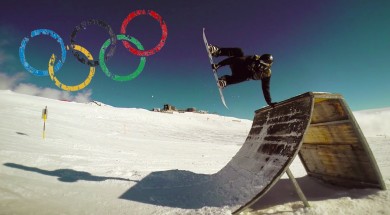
[(265, 83)]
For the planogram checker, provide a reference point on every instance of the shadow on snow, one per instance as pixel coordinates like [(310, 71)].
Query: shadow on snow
[(188, 190), (66, 175)]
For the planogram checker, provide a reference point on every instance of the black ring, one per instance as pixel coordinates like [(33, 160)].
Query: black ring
[(83, 26)]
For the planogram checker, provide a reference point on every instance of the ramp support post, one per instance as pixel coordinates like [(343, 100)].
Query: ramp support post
[(297, 188)]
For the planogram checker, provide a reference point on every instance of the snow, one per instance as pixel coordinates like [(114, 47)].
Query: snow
[(93, 158), (374, 123)]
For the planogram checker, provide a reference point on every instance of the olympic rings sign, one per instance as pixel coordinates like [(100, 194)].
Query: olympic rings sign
[(85, 57)]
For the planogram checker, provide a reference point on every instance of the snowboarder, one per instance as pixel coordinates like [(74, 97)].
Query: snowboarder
[(244, 68)]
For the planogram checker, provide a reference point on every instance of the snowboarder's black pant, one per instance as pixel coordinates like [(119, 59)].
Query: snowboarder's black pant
[(231, 52), (236, 61)]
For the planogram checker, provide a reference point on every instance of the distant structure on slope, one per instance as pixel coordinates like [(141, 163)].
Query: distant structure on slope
[(170, 109)]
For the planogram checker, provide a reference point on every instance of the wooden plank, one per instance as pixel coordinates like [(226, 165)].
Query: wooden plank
[(328, 110), (346, 164), (345, 182), (334, 148), (340, 133), (330, 123)]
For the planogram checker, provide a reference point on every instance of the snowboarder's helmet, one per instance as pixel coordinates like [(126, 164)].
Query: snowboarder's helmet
[(264, 62), (267, 58)]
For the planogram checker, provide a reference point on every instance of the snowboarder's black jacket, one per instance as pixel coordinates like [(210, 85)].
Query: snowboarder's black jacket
[(242, 70)]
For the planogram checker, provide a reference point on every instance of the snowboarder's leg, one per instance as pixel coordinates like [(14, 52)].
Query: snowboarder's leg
[(221, 83), (232, 79), (214, 50), (230, 52)]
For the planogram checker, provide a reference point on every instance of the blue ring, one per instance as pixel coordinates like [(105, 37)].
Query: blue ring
[(22, 49)]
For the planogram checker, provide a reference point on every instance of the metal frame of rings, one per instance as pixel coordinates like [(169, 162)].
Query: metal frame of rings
[(85, 57)]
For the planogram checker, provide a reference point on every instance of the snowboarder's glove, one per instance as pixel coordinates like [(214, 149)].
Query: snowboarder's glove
[(215, 66), (272, 104)]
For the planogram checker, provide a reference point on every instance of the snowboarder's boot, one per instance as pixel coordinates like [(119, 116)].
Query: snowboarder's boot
[(221, 83), (215, 66), (214, 50)]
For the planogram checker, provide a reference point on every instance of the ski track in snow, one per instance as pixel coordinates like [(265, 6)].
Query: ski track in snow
[(93, 155)]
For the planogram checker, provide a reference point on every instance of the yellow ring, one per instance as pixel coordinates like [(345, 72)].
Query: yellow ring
[(77, 87)]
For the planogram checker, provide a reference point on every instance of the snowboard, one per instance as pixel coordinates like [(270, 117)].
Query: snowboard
[(214, 70)]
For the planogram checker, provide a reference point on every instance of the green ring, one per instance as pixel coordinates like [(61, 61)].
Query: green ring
[(131, 76)]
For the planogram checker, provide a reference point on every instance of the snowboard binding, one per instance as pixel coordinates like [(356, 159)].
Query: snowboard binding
[(214, 50)]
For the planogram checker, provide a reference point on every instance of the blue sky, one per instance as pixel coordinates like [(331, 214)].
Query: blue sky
[(326, 46)]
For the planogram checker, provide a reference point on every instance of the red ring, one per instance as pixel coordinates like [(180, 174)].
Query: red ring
[(163, 26)]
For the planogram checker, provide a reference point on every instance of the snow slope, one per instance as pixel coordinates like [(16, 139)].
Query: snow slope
[(93, 155)]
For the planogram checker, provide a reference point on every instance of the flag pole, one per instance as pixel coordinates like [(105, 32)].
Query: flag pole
[(44, 117)]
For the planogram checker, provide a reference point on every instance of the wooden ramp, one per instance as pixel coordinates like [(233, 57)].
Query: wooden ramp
[(332, 149), (317, 127)]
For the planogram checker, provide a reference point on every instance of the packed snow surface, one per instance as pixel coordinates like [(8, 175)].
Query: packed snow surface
[(92, 158)]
